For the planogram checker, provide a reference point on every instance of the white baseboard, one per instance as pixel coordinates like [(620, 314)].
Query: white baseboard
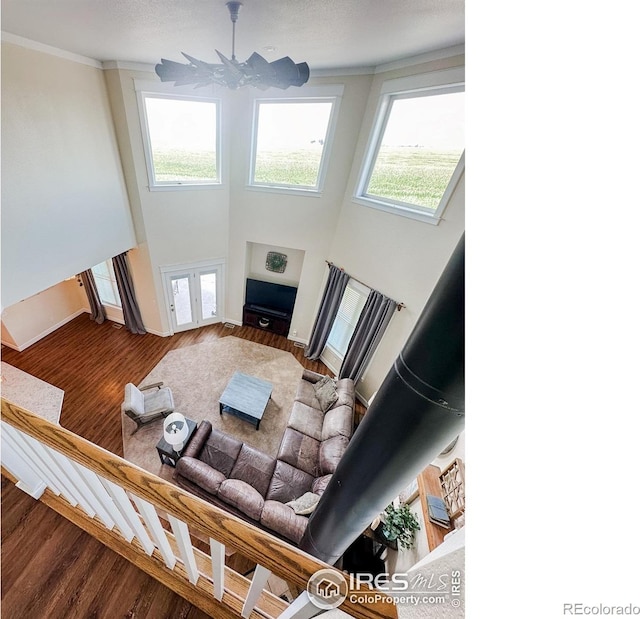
[(362, 399), (33, 340), (159, 333), (237, 323)]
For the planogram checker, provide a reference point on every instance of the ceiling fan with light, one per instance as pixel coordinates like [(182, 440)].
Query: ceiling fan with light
[(255, 71)]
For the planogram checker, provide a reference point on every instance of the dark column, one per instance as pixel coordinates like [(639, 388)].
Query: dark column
[(417, 412)]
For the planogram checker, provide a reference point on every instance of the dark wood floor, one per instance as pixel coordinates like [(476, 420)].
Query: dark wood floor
[(50, 568)]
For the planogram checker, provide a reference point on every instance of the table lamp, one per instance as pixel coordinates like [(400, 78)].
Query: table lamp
[(176, 431)]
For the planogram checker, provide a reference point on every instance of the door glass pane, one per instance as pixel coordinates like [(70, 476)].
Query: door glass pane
[(209, 302), (181, 299)]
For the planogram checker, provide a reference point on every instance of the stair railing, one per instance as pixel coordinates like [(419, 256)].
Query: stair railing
[(160, 528)]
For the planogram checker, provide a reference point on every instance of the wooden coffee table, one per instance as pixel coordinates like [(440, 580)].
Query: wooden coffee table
[(246, 397)]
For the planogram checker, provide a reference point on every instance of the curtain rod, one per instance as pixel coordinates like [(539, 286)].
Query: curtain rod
[(331, 264)]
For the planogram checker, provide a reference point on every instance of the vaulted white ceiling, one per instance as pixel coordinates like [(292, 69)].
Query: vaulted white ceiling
[(327, 34)]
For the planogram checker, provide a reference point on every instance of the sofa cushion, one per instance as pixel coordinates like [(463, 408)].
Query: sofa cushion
[(331, 451), (307, 394), (242, 496), (326, 393), (201, 474), (283, 520), (306, 420), (345, 388), (304, 505), (320, 484), (254, 468), (337, 422), (288, 483), (221, 452), (300, 451)]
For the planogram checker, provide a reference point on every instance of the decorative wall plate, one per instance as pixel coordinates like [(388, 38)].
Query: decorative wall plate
[(276, 262)]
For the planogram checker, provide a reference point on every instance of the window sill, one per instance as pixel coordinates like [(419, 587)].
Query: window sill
[(185, 187), (291, 191), (408, 212)]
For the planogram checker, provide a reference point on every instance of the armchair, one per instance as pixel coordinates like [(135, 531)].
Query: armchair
[(147, 403)]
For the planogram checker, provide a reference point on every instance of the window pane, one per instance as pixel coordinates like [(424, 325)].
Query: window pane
[(106, 283), (290, 142), (183, 140), (347, 318), (422, 143), (208, 302), (182, 299)]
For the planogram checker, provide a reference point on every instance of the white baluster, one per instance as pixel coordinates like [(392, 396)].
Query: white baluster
[(14, 461), (150, 516), (259, 580), (19, 442), (93, 481), (72, 480), (301, 608), (66, 490), (123, 502), (181, 532), (217, 567)]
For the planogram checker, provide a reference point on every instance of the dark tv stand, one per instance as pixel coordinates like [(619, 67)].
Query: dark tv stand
[(267, 319)]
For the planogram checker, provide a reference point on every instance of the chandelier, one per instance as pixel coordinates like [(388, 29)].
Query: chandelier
[(255, 71)]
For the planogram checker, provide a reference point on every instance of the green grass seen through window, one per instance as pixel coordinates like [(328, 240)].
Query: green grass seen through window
[(183, 165), (412, 175)]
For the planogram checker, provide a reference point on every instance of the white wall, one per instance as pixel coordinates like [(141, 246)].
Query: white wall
[(31, 319), (307, 223), (257, 258), (402, 258), (64, 203), (172, 227)]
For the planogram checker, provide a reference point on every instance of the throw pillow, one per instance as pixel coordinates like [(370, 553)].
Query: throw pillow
[(304, 505), (326, 393)]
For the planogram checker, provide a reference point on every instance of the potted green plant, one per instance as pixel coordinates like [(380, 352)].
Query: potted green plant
[(399, 525)]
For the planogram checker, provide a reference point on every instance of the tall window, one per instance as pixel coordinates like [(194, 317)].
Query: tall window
[(291, 141), (416, 152), (353, 300), (181, 140), (106, 283)]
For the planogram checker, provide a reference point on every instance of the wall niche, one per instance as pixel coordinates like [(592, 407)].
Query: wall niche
[(256, 264)]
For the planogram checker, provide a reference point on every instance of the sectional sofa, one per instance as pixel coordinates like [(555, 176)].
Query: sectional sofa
[(269, 491)]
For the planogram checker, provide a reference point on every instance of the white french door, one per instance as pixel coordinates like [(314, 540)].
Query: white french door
[(194, 294)]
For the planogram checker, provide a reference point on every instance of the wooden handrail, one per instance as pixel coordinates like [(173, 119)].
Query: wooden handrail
[(283, 559)]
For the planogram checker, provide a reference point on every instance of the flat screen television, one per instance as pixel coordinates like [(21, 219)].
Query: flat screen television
[(270, 296)]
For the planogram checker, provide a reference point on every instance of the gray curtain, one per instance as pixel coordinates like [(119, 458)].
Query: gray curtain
[(329, 305), (373, 321), (97, 309), (130, 310)]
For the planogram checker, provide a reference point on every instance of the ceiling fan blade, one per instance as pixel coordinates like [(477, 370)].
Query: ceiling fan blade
[(170, 71), (281, 73)]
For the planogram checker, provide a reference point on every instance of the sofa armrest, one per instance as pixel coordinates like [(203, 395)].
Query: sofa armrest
[(311, 377), (199, 473), (198, 440)]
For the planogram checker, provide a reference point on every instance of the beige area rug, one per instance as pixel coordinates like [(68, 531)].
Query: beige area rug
[(197, 376)]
